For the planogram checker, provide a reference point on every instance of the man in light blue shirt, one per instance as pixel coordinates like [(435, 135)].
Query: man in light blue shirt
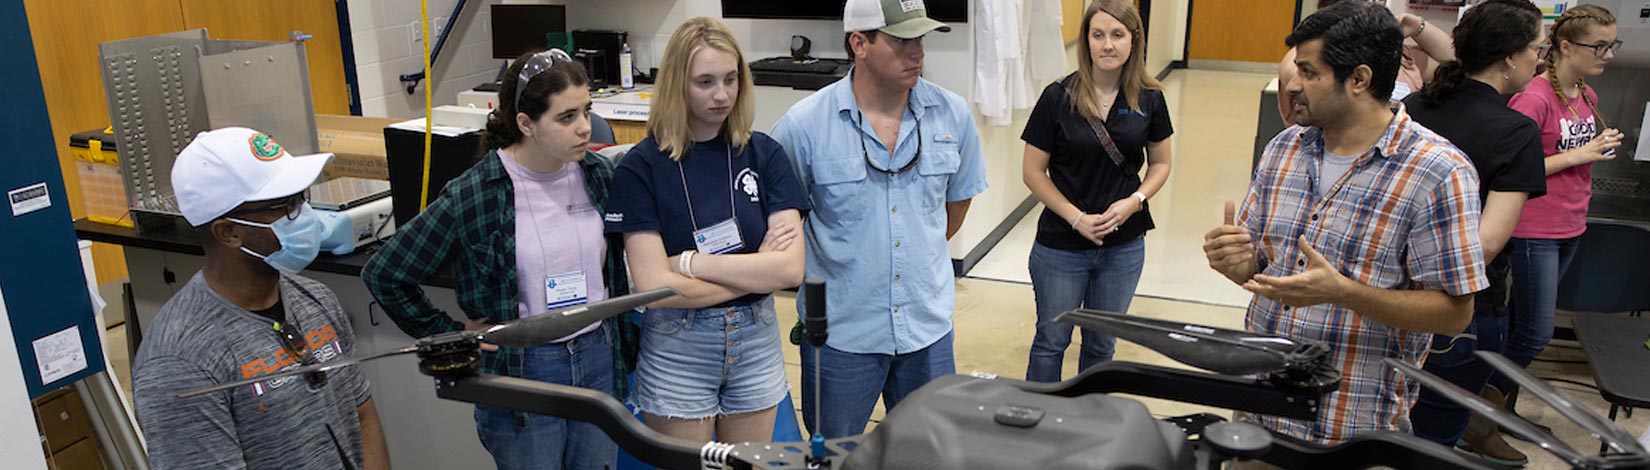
[(890, 162)]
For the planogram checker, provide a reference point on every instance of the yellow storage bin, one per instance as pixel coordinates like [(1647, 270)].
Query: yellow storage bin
[(101, 185)]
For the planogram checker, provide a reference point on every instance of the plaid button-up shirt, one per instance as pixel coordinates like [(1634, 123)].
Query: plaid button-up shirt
[(472, 228), (1405, 217)]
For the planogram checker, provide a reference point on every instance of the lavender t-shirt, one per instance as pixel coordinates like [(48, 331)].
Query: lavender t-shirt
[(558, 231)]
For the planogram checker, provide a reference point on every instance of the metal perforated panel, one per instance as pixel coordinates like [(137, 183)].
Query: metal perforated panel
[(155, 108), (164, 90)]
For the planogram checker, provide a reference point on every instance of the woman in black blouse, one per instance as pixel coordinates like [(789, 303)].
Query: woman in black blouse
[(1086, 141)]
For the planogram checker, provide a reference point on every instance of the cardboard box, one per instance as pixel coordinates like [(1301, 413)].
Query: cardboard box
[(357, 145)]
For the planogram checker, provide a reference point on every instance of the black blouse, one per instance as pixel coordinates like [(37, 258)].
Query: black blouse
[(1080, 167)]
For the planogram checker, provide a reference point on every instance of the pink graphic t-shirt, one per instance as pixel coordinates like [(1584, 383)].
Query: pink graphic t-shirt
[(1562, 213)]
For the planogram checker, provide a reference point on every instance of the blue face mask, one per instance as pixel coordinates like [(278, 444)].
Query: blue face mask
[(300, 239)]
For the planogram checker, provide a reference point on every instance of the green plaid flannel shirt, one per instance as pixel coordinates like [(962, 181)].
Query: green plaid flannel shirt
[(471, 228)]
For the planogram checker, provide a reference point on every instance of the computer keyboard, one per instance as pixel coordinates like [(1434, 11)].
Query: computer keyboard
[(790, 65), (811, 74)]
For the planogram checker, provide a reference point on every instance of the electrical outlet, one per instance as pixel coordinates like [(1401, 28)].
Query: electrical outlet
[(437, 25)]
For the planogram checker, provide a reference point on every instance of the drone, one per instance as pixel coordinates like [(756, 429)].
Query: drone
[(981, 421)]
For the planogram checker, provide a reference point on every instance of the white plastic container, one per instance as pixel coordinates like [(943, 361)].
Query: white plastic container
[(627, 78)]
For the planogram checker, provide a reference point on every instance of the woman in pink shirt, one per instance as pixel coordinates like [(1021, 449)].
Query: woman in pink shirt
[(1573, 136)]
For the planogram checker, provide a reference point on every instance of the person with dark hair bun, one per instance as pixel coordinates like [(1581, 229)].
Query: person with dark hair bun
[(522, 231), (1359, 229), (1498, 47)]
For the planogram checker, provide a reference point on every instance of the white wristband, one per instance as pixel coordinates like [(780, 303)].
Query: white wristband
[(684, 263), (1141, 197), (1074, 222), (687, 265)]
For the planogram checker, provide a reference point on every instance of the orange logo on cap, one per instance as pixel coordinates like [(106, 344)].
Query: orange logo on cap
[(264, 147)]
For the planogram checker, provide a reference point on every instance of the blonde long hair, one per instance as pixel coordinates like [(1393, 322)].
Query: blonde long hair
[(1134, 77), (1573, 24), (667, 123)]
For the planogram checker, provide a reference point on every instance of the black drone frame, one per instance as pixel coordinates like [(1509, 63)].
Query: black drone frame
[(1259, 374)]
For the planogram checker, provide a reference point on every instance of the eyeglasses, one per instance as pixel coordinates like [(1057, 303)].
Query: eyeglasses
[(914, 159), (288, 206), (1601, 49), (292, 339)]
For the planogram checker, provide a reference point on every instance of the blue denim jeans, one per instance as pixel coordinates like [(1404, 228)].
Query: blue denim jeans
[(1453, 358), (536, 442), (1101, 278), (1537, 266), (849, 383)]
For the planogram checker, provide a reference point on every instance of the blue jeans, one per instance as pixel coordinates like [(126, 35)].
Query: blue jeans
[(531, 441), (850, 383), (1100, 278), (1537, 266), (1453, 358)]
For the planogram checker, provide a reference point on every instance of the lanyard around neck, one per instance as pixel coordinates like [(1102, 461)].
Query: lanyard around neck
[(731, 212)]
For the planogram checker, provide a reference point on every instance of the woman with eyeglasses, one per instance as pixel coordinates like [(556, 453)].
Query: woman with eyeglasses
[(522, 231), (1086, 141), (1574, 135), (1499, 45), (712, 209)]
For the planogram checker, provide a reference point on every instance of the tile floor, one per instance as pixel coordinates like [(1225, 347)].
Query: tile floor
[(1214, 113)]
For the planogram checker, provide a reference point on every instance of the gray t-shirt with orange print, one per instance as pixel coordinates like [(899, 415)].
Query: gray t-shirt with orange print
[(199, 339)]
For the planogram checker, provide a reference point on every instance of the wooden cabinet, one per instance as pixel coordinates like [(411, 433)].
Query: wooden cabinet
[(66, 431), (628, 132)]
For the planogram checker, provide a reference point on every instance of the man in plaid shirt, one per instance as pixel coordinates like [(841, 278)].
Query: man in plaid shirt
[(1360, 227)]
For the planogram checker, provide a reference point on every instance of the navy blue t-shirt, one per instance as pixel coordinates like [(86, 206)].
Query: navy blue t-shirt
[(647, 193)]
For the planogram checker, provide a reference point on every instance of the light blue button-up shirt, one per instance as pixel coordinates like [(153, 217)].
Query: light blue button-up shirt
[(878, 239)]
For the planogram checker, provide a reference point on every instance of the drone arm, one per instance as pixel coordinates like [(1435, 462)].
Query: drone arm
[(1380, 449), (1602, 429), (1184, 386), (576, 404)]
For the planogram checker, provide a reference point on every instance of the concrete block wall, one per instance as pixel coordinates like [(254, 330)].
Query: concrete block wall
[(387, 45)]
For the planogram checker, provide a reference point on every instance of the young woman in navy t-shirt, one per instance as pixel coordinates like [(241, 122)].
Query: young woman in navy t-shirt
[(712, 209)]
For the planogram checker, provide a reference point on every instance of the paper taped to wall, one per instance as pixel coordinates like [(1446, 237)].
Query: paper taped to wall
[(60, 354)]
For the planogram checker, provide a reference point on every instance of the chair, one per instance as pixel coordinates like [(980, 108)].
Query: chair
[(1611, 274), (1615, 347), (1611, 271), (600, 131)]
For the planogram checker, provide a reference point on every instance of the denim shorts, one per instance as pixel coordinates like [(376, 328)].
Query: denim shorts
[(704, 362)]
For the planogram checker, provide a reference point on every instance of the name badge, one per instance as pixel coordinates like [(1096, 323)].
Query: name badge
[(565, 290), (581, 208), (720, 238)]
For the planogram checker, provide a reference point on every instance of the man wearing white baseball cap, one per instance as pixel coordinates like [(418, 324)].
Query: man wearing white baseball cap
[(246, 314), (890, 162)]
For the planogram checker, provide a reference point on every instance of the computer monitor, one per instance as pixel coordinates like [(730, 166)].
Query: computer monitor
[(521, 28), (949, 11)]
